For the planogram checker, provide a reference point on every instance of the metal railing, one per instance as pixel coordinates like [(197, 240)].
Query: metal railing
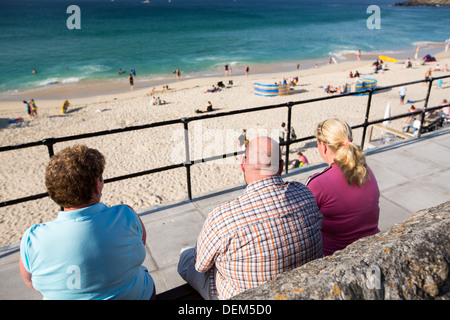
[(188, 163)]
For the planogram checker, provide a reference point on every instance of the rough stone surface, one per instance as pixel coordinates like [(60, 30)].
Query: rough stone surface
[(408, 261)]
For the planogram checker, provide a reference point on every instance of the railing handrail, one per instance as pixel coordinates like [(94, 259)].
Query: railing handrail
[(49, 142)]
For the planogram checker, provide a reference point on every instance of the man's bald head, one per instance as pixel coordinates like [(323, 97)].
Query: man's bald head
[(263, 155)]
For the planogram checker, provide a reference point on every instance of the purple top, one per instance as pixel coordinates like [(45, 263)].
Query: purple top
[(350, 212)]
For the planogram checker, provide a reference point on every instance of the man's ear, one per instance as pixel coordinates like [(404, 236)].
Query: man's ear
[(280, 168)]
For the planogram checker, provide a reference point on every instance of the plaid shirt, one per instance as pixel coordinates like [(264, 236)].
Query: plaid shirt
[(273, 227)]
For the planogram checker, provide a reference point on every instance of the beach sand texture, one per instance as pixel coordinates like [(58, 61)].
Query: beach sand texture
[(22, 171)]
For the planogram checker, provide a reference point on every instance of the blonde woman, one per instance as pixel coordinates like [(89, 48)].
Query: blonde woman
[(346, 192)]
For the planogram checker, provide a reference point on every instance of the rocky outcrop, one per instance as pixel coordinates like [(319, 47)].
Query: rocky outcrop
[(408, 261), (423, 3)]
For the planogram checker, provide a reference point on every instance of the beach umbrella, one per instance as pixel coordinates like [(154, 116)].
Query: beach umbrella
[(387, 115)]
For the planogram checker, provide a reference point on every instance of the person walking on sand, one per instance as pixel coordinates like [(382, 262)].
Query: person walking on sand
[(402, 93), (282, 135), (27, 105), (242, 137), (428, 74), (33, 108), (247, 69)]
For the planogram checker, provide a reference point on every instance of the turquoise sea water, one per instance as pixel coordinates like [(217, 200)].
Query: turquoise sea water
[(199, 36)]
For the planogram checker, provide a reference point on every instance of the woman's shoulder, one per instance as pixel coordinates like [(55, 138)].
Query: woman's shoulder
[(320, 175)]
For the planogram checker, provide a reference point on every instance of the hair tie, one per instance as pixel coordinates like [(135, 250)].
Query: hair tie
[(346, 142)]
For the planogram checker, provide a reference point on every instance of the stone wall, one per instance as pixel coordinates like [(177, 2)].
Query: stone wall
[(408, 261)]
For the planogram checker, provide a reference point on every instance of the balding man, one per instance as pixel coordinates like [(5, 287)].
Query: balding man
[(273, 227)]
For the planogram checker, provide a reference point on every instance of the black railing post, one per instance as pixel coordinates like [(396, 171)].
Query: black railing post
[(288, 138), (187, 162), (366, 119), (49, 143), (425, 106)]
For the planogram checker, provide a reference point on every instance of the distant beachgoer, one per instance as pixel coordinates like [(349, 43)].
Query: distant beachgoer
[(226, 70), (133, 72), (411, 118), (27, 105), (282, 135), (120, 71), (247, 69), (209, 108), (177, 72), (298, 66), (33, 108), (131, 79), (34, 71), (300, 161), (428, 74), (160, 102), (402, 93), (445, 69), (65, 106), (445, 110), (359, 55), (408, 64), (213, 88), (242, 137)]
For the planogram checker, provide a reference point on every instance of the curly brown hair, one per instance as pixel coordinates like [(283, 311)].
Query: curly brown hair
[(71, 175)]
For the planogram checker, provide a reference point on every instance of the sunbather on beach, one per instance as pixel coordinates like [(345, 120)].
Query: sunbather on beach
[(209, 108)]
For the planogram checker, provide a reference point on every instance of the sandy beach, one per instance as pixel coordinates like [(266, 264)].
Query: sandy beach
[(110, 105)]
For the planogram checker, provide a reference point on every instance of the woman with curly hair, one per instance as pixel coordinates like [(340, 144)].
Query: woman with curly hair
[(346, 191), (91, 251)]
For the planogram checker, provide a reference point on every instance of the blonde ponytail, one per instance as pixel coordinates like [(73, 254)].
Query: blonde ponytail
[(350, 159)]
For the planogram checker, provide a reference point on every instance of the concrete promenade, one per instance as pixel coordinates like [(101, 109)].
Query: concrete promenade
[(412, 174)]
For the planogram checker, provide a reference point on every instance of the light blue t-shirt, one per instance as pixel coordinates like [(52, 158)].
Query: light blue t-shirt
[(90, 253)]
